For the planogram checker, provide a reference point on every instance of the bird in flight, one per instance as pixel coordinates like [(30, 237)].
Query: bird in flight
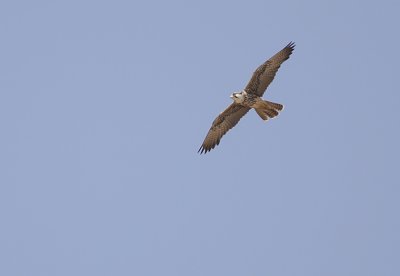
[(247, 99)]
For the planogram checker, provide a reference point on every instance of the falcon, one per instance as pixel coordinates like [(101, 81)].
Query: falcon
[(247, 99)]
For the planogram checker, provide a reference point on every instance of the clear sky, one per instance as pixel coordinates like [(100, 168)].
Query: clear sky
[(104, 104)]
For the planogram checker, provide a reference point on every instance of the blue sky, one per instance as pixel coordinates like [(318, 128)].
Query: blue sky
[(104, 104)]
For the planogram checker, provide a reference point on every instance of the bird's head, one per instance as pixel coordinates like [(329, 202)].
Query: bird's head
[(238, 97)]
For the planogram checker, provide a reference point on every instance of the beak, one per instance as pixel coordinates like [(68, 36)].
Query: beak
[(231, 96)]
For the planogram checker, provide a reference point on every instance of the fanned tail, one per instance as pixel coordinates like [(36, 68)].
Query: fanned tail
[(267, 110)]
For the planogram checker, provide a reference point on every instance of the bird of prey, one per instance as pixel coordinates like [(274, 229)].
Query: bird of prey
[(247, 99)]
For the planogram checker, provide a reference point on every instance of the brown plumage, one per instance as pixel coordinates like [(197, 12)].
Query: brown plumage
[(266, 72), (267, 109), (224, 122), (249, 98)]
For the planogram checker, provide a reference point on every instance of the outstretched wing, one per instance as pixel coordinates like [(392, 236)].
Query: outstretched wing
[(224, 122), (265, 73)]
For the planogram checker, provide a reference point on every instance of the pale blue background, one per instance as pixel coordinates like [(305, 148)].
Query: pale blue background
[(104, 104)]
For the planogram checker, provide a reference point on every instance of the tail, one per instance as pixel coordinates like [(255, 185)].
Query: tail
[(266, 109)]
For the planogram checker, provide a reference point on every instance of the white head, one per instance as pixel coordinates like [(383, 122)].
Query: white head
[(238, 97)]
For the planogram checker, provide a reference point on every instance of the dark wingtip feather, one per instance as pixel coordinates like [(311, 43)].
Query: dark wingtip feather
[(202, 150), (291, 45)]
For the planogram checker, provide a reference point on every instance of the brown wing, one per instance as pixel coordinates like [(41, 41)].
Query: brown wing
[(224, 122), (265, 73)]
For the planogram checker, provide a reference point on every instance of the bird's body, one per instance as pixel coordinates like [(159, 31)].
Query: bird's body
[(247, 99), (264, 109)]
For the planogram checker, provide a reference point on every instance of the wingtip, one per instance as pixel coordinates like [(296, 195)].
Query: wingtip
[(202, 150), (291, 45)]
